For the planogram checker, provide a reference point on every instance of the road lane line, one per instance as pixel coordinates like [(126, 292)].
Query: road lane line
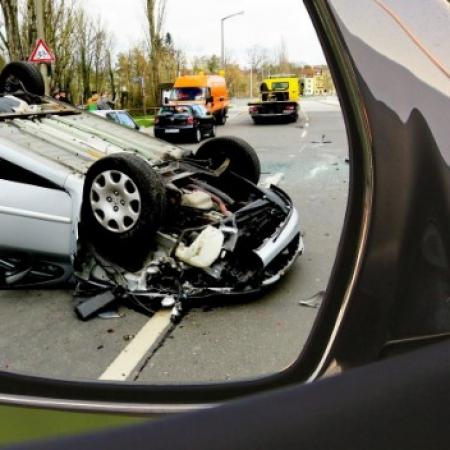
[(146, 339), (303, 134)]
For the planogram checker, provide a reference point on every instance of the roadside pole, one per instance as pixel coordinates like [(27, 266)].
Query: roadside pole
[(41, 35)]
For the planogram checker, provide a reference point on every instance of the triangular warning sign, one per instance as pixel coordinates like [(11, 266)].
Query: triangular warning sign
[(41, 53)]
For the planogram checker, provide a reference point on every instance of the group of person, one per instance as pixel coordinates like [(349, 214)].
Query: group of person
[(102, 101), (61, 95), (94, 102)]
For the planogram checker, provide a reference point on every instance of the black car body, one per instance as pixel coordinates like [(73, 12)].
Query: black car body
[(187, 122)]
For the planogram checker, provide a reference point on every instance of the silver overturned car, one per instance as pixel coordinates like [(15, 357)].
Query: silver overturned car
[(126, 216)]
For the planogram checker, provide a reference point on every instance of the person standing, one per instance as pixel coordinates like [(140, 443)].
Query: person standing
[(92, 101)]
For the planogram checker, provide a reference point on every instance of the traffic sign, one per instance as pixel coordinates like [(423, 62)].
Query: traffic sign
[(41, 53)]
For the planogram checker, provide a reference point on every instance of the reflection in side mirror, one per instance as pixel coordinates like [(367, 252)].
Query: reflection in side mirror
[(201, 241)]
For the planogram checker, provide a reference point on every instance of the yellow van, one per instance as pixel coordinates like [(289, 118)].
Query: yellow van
[(207, 90)]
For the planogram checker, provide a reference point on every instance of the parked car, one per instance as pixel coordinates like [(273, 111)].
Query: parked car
[(189, 122), (374, 372), (84, 197), (120, 116)]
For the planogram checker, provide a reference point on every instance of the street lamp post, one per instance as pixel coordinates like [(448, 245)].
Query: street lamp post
[(223, 35)]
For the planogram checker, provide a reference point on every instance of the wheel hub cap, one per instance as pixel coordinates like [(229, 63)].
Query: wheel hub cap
[(115, 201)]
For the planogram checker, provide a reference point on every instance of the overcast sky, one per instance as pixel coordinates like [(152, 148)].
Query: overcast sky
[(195, 26)]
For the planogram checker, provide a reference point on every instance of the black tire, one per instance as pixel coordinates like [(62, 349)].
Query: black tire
[(243, 159), (158, 134), (20, 75), (197, 135), (221, 117), (128, 247), (256, 120), (212, 133)]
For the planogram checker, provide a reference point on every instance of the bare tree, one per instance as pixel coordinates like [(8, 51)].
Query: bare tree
[(156, 11), (256, 56), (11, 40), (84, 30), (282, 57)]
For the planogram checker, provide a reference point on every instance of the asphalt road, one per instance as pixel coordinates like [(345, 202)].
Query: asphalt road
[(40, 334)]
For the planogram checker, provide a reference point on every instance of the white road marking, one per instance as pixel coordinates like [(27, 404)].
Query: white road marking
[(304, 134), (129, 358), (272, 179)]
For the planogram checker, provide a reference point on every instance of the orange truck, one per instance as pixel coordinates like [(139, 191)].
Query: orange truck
[(207, 90)]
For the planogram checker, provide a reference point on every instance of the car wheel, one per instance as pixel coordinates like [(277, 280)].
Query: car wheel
[(221, 118), (212, 133), (20, 75), (243, 159), (123, 206), (197, 135)]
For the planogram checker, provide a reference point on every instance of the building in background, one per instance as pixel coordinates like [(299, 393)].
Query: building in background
[(316, 80), (308, 86)]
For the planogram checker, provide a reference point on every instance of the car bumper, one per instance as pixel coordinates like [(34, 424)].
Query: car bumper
[(273, 246), (273, 115), (174, 131)]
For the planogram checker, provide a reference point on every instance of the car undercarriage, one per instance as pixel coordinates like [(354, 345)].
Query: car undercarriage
[(130, 219)]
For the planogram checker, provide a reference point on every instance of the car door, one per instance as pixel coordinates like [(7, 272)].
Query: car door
[(35, 217)]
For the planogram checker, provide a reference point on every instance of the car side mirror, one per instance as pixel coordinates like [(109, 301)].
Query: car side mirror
[(166, 100), (210, 100), (222, 99)]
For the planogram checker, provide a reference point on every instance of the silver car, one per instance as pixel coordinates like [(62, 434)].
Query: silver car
[(126, 216)]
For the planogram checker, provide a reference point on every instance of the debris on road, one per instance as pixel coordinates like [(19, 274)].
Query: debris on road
[(110, 314), (313, 302)]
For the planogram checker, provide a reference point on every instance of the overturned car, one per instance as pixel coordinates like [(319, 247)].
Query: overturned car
[(127, 217)]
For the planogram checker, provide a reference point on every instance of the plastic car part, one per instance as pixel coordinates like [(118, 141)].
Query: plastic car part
[(204, 250), (115, 201), (20, 75), (123, 206), (91, 306), (243, 159)]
